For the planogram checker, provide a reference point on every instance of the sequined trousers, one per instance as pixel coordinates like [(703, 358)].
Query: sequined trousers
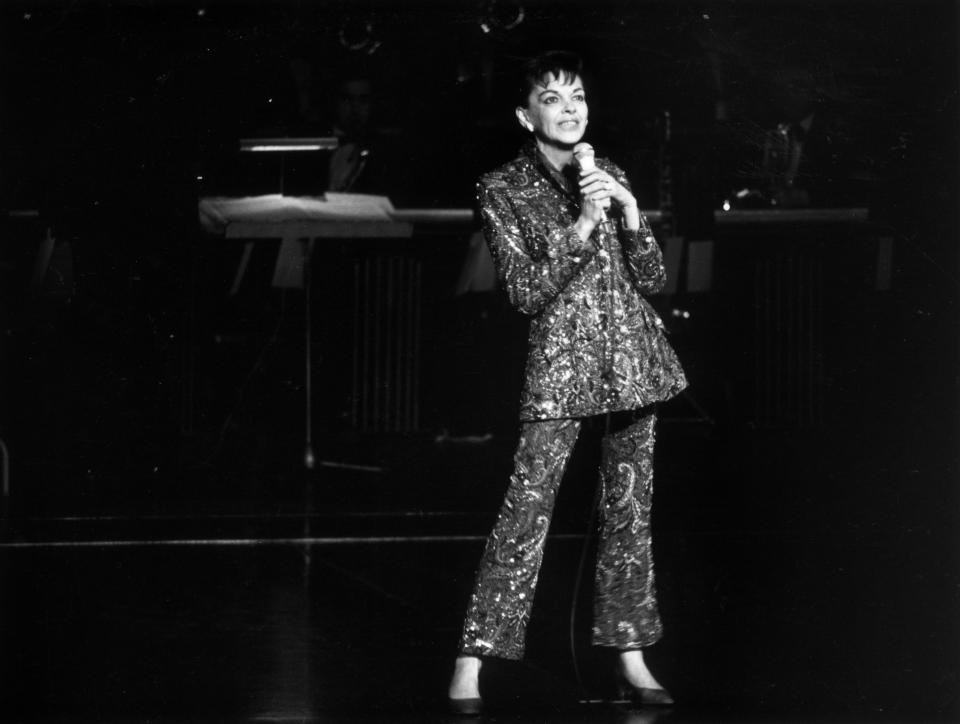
[(625, 612)]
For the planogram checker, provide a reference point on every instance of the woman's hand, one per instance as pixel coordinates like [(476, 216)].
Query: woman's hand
[(592, 214), (594, 210), (599, 189), (598, 185)]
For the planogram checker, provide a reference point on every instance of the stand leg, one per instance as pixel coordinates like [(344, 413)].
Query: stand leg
[(309, 458)]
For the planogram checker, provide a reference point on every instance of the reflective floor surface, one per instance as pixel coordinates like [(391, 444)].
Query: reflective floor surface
[(794, 587)]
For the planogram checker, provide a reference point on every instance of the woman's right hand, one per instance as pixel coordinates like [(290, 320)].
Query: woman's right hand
[(597, 189), (592, 215), (594, 208)]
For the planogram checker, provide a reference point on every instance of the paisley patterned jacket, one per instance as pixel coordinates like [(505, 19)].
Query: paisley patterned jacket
[(596, 345)]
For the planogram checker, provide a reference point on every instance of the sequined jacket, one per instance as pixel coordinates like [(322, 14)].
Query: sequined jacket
[(596, 345)]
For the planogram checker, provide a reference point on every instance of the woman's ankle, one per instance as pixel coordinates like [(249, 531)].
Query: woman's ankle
[(465, 683), (635, 670)]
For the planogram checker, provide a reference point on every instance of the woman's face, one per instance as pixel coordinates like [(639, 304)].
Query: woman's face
[(556, 111)]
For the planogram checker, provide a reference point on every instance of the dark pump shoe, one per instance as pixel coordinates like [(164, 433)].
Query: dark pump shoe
[(641, 696), (465, 707)]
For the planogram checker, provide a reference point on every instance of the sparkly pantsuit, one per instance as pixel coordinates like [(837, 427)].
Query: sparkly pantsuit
[(596, 346), (625, 609)]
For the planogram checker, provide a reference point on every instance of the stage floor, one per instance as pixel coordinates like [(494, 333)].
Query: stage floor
[(799, 579)]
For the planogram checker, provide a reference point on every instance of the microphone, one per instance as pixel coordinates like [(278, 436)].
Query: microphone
[(583, 155)]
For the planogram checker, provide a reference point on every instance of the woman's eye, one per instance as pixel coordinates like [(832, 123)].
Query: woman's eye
[(550, 99), (580, 99)]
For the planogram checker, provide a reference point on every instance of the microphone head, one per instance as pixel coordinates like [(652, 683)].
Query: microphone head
[(583, 153)]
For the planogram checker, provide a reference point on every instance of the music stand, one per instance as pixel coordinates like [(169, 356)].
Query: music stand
[(284, 146)]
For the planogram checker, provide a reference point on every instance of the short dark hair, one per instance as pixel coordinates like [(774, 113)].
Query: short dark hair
[(561, 64)]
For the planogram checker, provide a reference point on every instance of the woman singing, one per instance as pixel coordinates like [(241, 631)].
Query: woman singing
[(574, 252)]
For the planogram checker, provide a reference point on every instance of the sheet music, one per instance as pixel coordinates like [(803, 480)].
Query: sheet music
[(216, 213)]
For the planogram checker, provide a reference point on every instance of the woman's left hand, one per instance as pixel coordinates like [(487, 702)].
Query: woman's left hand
[(599, 185)]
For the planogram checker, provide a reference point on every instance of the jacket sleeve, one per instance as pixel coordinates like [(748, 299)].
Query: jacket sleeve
[(640, 249), (535, 257)]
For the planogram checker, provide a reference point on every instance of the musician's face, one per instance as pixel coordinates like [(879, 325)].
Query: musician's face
[(556, 111), (353, 105)]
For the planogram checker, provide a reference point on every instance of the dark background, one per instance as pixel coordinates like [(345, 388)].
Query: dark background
[(117, 116), (131, 385)]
